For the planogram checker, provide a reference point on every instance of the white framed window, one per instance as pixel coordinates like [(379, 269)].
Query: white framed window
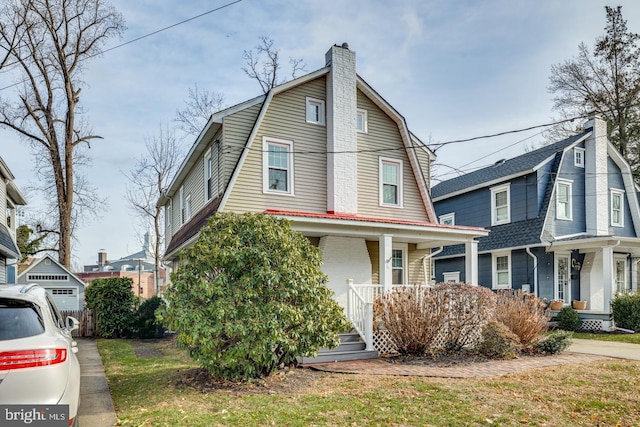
[(187, 207), (578, 157), (448, 219), (451, 276), (208, 174), (501, 204), (60, 291), (621, 273), (562, 269), (183, 215), (617, 208), (277, 166), (315, 111), (390, 177), (361, 121), (501, 266), (399, 264), (563, 200), (168, 213)]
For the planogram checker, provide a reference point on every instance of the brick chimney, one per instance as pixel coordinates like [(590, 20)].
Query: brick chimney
[(342, 169)]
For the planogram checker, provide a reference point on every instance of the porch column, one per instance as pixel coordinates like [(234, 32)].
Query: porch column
[(385, 254), (634, 274), (607, 277), (471, 262)]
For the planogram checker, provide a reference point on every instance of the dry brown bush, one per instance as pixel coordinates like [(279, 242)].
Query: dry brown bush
[(524, 314), (469, 308), (413, 316), (419, 318)]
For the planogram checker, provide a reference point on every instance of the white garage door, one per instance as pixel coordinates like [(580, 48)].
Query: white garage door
[(65, 298)]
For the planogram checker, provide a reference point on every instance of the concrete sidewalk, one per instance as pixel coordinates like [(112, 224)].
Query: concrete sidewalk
[(606, 348), (96, 406)]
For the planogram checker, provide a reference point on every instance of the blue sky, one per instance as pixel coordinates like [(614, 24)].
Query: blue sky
[(454, 69)]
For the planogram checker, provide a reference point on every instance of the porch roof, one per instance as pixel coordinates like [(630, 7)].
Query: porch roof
[(584, 243), (426, 234)]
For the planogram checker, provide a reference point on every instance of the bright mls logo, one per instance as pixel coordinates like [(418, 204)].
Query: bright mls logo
[(34, 415)]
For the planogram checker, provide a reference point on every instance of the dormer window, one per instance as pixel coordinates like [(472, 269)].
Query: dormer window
[(277, 166), (563, 200), (390, 182)]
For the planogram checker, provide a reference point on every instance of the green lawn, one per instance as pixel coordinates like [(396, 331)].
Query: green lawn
[(629, 338), (162, 391)]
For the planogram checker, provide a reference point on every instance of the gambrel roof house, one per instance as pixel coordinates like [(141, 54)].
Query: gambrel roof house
[(564, 222), (10, 199), (329, 153)]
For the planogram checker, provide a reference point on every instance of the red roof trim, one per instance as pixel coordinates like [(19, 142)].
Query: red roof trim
[(352, 217)]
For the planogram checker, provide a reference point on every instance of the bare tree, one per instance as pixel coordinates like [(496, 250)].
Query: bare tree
[(607, 81), (149, 177), (45, 43), (263, 64), (200, 105)]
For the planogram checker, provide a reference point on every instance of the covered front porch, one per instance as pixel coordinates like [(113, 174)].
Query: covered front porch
[(380, 253), (593, 270)]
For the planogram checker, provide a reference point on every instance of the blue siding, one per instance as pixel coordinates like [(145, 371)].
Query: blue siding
[(484, 270), (616, 182), (473, 208), (568, 171), (545, 273), (448, 265)]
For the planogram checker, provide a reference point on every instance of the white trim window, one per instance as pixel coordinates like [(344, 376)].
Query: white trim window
[(448, 219), (617, 208), (315, 111), (501, 269), (562, 267), (564, 209), (187, 207), (47, 277), (451, 276), (390, 177), (620, 264), (399, 264), (182, 211), (361, 121), (208, 176), (277, 166), (168, 214), (578, 157), (501, 204)]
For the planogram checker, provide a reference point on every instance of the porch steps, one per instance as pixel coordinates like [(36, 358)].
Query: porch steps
[(351, 347)]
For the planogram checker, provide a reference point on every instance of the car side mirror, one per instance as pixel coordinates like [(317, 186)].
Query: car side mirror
[(72, 323)]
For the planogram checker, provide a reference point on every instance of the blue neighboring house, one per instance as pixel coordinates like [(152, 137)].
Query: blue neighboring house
[(564, 223)]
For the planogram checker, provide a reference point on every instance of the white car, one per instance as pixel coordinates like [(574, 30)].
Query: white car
[(38, 363)]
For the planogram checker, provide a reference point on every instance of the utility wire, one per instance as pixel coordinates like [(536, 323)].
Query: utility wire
[(141, 37)]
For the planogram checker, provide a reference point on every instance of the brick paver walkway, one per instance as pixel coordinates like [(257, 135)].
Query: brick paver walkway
[(494, 368)]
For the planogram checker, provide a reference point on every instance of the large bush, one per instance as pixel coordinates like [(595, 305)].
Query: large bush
[(421, 318), (113, 302), (524, 314), (568, 319), (251, 297), (626, 311), (148, 326)]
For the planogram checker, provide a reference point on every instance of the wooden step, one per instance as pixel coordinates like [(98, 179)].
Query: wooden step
[(338, 356)]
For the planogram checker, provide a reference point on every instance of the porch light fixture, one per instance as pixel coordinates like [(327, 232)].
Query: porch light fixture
[(575, 264)]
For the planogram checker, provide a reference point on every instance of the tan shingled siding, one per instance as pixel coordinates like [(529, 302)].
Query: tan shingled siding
[(425, 165), (286, 119), (236, 130), (383, 133)]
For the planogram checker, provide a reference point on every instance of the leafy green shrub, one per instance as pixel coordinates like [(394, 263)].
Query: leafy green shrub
[(524, 314), (148, 325), (568, 319), (251, 297), (555, 342), (498, 341), (626, 311), (113, 302), (416, 316)]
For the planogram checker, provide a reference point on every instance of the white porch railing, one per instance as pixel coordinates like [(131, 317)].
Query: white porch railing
[(360, 299)]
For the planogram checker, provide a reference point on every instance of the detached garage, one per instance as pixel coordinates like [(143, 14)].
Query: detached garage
[(66, 289)]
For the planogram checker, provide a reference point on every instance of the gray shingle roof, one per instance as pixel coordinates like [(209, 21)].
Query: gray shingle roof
[(503, 169)]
